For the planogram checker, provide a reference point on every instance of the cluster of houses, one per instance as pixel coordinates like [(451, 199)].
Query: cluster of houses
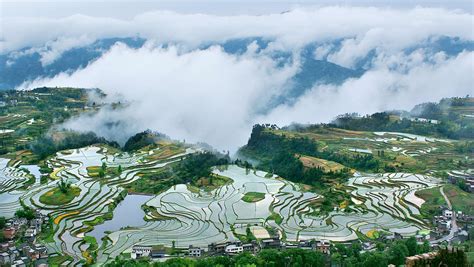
[(467, 178), (26, 253), (443, 224), (232, 248)]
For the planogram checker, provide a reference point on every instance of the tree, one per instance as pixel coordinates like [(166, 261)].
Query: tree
[(2, 222), (64, 186), (426, 246), (119, 169), (245, 259), (412, 246), (270, 257), (397, 253), (375, 259), (26, 213), (471, 233)]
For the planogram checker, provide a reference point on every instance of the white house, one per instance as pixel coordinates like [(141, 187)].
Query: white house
[(234, 249), (195, 251), (140, 251), (448, 213)]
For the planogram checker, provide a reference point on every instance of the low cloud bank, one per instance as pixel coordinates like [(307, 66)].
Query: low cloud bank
[(203, 95), (211, 96)]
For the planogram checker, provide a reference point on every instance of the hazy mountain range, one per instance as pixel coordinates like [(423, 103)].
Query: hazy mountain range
[(20, 66)]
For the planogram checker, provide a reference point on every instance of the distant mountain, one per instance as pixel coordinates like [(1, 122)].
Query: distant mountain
[(14, 70), (19, 66)]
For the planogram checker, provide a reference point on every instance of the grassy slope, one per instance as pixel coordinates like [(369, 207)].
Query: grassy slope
[(56, 197), (326, 165), (433, 199), (445, 157), (253, 197), (460, 200)]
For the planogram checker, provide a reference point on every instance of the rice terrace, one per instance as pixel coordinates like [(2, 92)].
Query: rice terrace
[(235, 134), (82, 189)]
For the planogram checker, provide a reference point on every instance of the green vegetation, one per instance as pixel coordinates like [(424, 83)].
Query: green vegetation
[(48, 145), (253, 197), (90, 253), (211, 182), (64, 186), (270, 257), (460, 199), (275, 217), (57, 197), (433, 200), (26, 212), (33, 114), (143, 139), (284, 153), (198, 165), (448, 112), (103, 171), (247, 238), (47, 232), (195, 169), (395, 253), (58, 260)]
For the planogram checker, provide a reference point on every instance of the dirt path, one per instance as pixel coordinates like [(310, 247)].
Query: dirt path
[(454, 226)]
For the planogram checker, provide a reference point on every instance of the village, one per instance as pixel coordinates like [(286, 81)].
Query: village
[(21, 246)]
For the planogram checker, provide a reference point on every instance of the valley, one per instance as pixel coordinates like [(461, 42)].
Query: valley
[(294, 185)]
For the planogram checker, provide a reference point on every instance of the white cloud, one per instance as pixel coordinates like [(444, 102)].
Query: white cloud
[(208, 95), (369, 27), (202, 95), (381, 89)]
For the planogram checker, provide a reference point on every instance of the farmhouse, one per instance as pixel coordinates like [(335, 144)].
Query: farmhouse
[(141, 251), (195, 251), (233, 249)]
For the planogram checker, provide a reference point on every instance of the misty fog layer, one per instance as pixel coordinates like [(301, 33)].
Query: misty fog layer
[(176, 86)]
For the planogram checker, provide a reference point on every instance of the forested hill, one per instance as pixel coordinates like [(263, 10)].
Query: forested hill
[(450, 118), (316, 154)]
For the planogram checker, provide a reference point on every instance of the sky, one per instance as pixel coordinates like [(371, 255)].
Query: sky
[(208, 95), (129, 8)]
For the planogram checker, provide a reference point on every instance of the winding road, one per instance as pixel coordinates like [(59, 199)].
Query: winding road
[(454, 226)]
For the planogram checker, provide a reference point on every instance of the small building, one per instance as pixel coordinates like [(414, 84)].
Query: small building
[(323, 246), (216, 249), (9, 233), (195, 251), (5, 258), (463, 236), (158, 252), (368, 246), (271, 243), (233, 249), (140, 251), (36, 224), (448, 214), (289, 246), (307, 244), (444, 226), (30, 234), (18, 263), (252, 247), (6, 245)]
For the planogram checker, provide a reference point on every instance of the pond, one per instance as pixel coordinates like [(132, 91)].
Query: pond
[(127, 213), (35, 170)]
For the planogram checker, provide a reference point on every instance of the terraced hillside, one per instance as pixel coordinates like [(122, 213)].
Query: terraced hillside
[(385, 203), (97, 198), (183, 216)]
